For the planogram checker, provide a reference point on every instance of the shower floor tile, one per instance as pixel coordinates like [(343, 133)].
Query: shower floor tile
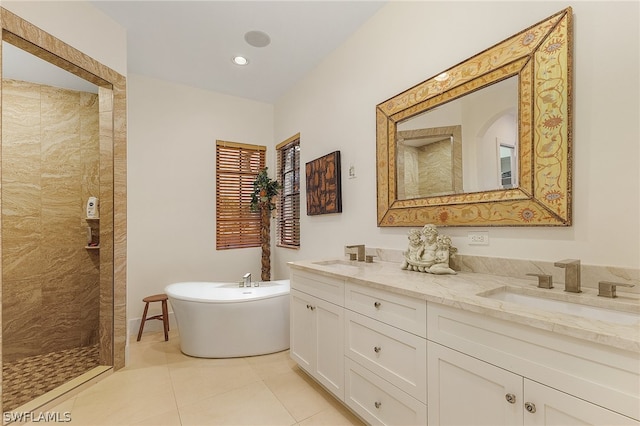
[(28, 378)]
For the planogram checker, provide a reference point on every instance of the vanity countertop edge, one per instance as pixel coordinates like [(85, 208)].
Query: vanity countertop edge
[(465, 289)]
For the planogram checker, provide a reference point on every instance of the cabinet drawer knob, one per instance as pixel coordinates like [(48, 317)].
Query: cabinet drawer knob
[(376, 305), (530, 407), (313, 308), (511, 398), (308, 306), (377, 404), (377, 349)]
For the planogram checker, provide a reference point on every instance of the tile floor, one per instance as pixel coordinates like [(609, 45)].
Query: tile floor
[(163, 387)]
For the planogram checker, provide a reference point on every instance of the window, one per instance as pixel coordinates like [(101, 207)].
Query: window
[(288, 229), (237, 166)]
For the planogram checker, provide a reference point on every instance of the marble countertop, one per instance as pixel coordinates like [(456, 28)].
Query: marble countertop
[(467, 291)]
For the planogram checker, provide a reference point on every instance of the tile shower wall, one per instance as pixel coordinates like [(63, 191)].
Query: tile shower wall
[(433, 168), (50, 166)]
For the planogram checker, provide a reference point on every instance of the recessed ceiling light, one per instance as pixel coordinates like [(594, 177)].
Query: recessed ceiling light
[(257, 38), (240, 60)]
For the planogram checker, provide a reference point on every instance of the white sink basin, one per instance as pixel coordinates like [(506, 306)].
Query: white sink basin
[(597, 313), (339, 264)]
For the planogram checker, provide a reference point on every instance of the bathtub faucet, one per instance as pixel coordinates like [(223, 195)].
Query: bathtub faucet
[(247, 279)]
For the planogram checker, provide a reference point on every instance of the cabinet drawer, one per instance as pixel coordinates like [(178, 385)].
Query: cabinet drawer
[(395, 355), (379, 402), (326, 288), (400, 311)]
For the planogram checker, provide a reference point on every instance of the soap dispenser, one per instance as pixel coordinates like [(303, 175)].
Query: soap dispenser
[(92, 208)]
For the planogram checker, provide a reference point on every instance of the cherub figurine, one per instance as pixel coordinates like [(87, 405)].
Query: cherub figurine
[(441, 265), (430, 234), (415, 250), (428, 251)]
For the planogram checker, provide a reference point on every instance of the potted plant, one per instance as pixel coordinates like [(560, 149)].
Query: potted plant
[(264, 190)]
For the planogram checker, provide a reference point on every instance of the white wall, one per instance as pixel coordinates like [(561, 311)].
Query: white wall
[(405, 43), (79, 24), (171, 184)]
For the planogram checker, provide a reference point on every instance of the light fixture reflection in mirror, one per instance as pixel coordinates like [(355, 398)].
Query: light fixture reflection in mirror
[(536, 131)]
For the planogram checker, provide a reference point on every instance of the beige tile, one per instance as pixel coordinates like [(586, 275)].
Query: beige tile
[(62, 410), (272, 364), (20, 88), (168, 418), (146, 355), (125, 397), (65, 406), (154, 341), (253, 404), (195, 379), (299, 394), (335, 415), (157, 334), (152, 349), (22, 301), (132, 382), (176, 358), (22, 258)]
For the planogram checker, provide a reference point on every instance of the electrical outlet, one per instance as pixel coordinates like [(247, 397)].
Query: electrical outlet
[(480, 238)]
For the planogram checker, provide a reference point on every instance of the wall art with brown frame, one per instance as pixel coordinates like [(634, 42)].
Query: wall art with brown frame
[(324, 194)]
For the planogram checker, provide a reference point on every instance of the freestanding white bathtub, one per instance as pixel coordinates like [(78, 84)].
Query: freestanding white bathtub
[(222, 320)]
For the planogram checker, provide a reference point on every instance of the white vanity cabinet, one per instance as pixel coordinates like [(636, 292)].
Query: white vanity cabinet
[(386, 355), (317, 328), (395, 359), (483, 370)]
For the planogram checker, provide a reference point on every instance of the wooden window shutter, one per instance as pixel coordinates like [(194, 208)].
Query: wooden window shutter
[(237, 166), (288, 166)]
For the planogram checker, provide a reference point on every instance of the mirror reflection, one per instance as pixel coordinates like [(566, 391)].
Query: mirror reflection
[(429, 162), (466, 145)]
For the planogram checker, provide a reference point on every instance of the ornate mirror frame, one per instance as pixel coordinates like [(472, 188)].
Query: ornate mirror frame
[(541, 57)]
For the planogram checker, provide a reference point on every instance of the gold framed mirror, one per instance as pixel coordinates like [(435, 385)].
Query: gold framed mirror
[(539, 59)]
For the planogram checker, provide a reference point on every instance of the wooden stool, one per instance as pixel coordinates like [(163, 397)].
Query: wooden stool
[(164, 316)]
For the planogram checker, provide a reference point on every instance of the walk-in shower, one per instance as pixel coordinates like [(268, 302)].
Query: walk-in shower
[(50, 281), (59, 146)]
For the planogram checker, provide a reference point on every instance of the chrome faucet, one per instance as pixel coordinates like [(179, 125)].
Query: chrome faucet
[(571, 274), (247, 279), (360, 248)]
